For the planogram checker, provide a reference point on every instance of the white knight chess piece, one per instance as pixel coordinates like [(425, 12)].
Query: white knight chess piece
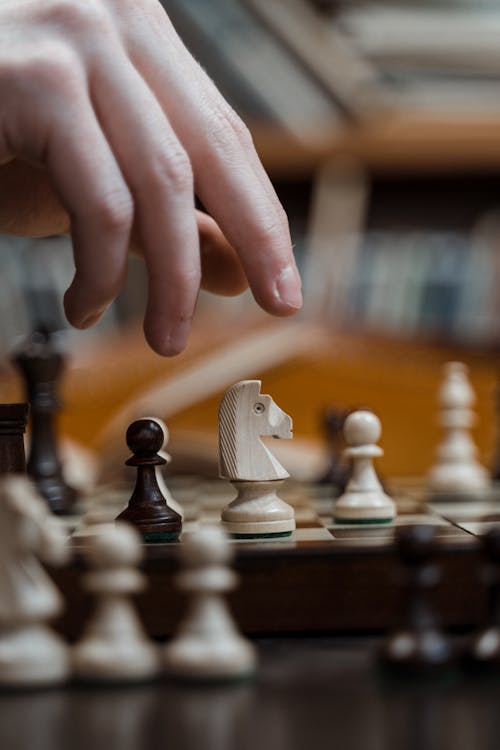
[(246, 415)]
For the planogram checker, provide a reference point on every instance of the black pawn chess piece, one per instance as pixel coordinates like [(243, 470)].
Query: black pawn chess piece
[(41, 366), (419, 646), (147, 508), (485, 647), (13, 418)]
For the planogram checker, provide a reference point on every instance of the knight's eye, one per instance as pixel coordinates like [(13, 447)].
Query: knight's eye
[(259, 408)]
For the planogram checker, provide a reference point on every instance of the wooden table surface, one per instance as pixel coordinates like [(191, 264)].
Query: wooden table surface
[(310, 693)]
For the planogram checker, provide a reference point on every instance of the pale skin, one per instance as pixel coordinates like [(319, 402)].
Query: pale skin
[(108, 128)]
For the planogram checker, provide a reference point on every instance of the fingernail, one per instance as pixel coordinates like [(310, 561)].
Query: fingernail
[(288, 288), (176, 338), (92, 319)]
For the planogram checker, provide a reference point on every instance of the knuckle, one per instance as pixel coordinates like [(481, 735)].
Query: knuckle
[(173, 170), (76, 15), (226, 129), (268, 233), (53, 67), (114, 212)]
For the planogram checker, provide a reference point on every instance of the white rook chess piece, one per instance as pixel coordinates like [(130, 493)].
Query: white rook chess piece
[(245, 414), (456, 469), (31, 654), (207, 645), (114, 646), (364, 500)]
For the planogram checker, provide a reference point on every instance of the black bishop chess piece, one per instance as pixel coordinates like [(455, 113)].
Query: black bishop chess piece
[(418, 647), (41, 365), (484, 650), (148, 509)]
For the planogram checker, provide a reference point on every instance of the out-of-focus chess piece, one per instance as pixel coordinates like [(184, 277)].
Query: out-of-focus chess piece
[(456, 471), (13, 418), (41, 365), (484, 651), (114, 646), (207, 646), (495, 464), (418, 646), (31, 654), (338, 471)]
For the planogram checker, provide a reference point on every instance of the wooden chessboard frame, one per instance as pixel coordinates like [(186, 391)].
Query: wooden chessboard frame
[(326, 578)]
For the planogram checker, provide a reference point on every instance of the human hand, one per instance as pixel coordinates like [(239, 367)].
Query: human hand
[(107, 129)]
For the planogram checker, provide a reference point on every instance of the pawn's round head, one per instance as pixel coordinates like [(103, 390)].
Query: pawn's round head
[(113, 545), (145, 436), (208, 546), (362, 428)]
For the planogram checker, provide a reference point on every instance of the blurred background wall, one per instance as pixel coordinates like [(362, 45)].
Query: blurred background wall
[(379, 124)]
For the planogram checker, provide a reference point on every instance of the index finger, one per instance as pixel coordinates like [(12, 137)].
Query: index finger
[(229, 177)]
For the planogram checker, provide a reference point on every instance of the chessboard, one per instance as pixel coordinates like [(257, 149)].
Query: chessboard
[(326, 577)]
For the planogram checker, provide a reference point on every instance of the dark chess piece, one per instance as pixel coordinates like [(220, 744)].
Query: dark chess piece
[(495, 464), (13, 418), (419, 646), (339, 470), (147, 508), (485, 647), (41, 365)]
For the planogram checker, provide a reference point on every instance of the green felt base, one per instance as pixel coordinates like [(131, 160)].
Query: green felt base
[(274, 535), (363, 521), (165, 536)]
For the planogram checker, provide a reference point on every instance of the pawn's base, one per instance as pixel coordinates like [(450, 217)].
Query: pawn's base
[(359, 507), (190, 660), (101, 662), (417, 653), (364, 521), (484, 653), (163, 529), (33, 656), (159, 536), (276, 535)]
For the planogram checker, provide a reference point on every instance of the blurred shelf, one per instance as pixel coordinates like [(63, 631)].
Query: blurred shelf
[(390, 142)]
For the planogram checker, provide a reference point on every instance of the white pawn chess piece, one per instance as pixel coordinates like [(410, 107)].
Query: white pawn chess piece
[(364, 500), (207, 645), (31, 654), (246, 414), (114, 646), (456, 469), (171, 502)]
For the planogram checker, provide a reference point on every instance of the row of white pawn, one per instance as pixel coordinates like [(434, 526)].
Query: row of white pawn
[(114, 646), (456, 471)]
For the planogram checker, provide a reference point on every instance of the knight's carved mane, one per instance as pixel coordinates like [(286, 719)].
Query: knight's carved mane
[(229, 421)]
